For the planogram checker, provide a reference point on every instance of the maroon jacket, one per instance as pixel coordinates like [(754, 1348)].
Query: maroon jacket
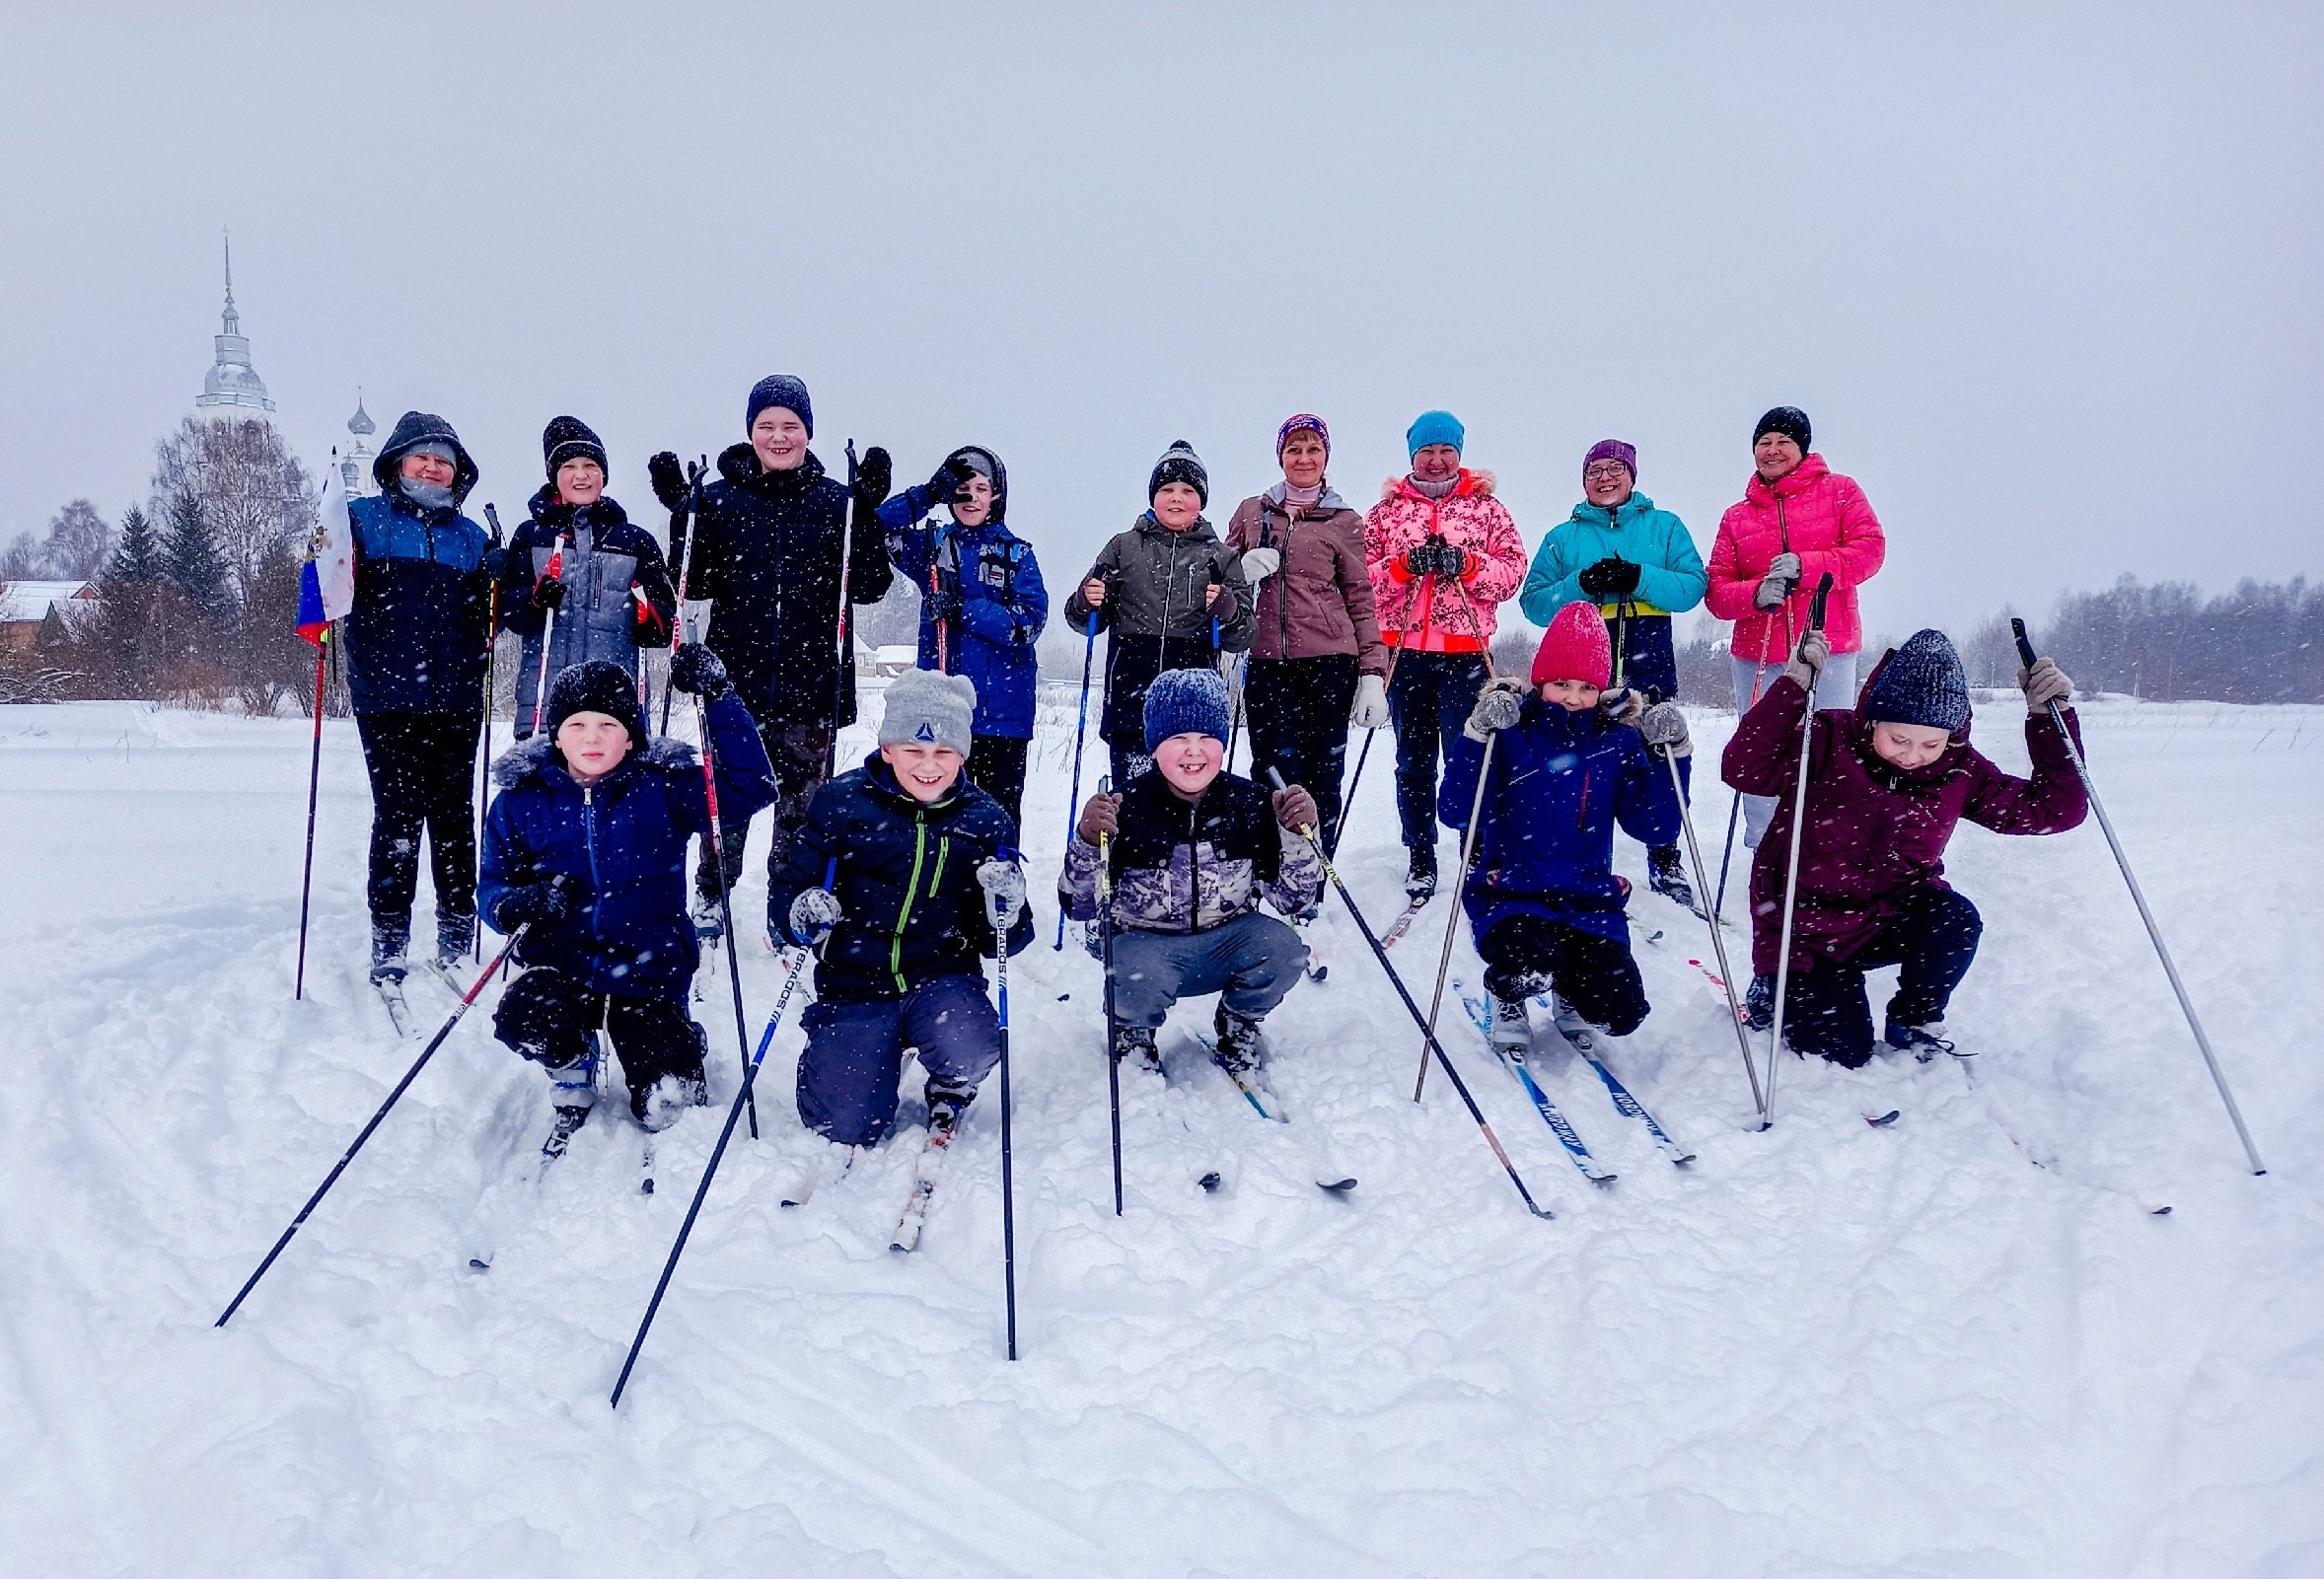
[(1874, 834), (1321, 600)]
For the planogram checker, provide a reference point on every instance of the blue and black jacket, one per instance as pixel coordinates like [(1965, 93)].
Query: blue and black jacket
[(416, 634), (906, 881), (626, 838)]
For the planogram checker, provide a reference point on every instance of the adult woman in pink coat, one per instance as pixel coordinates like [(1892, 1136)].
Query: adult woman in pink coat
[(1797, 520)]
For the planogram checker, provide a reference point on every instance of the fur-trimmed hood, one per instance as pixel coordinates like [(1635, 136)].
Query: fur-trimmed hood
[(528, 758)]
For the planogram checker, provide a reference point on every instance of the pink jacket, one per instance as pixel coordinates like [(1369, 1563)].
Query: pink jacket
[(1817, 514), (1425, 612)]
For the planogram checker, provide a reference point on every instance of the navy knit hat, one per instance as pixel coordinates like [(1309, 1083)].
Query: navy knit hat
[(1922, 682), (780, 389), (596, 687), (1179, 463), (1789, 420), (568, 438), (1186, 701)]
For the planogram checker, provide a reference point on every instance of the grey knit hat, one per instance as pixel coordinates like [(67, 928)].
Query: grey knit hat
[(926, 708), (1922, 682)]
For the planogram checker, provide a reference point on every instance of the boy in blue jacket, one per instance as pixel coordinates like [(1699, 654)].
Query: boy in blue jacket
[(1541, 897), (926, 879), (586, 843), (1639, 566), (982, 606)]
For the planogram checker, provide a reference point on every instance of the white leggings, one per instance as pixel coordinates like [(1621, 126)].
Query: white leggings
[(1835, 687)]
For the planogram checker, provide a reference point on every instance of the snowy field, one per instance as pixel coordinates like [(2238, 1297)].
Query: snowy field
[(1827, 1351)]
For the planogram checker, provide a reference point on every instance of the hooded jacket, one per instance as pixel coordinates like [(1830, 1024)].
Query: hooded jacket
[(1156, 576), (1671, 578), (1874, 833), (1184, 866), (1320, 601), (766, 554), (416, 634), (625, 836), (1560, 782), (911, 907), (1003, 604), (1817, 514), (608, 561), (1425, 612)]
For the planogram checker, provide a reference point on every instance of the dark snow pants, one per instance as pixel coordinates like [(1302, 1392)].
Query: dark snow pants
[(1251, 963), (1932, 937), (549, 1018), (798, 752), (1297, 710), (997, 765), (1429, 698), (855, 1051), (1524, 954), (423, 777)]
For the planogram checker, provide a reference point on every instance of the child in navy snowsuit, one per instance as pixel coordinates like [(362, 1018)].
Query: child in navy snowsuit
[(926, 876), (1541, 897), (983, 606), (586, 843)]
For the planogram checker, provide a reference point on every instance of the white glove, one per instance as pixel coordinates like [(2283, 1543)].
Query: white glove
[(813, 915), (1372, 702), (1665, 726), (1261, 563), (1499, 706), (1003, 882), (1779, 583)]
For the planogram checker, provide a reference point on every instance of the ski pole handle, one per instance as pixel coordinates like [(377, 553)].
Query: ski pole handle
[(2024, 643), (493, 513), (1275, 777), (1815, 613)]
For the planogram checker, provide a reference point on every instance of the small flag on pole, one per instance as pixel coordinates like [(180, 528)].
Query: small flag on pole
[(326, 582)]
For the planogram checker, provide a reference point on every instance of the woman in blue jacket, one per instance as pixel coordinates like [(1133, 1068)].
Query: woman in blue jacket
[(1639, 566), (982, 607), (586, 845)]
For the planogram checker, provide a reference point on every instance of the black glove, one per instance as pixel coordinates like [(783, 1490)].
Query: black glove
[(1610, 577), (547, 593), (944, 599), (875, 478), (1421, 558), (949, 478), (669, 480), (1451, 560), (496, 562), (697, 669), (542, 903)]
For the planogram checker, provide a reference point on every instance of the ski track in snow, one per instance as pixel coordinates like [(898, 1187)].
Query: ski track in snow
[(1826, 1350)]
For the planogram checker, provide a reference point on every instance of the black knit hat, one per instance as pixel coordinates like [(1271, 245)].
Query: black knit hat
[(1789, 420), (1922, 682), (568, 438), (1179, 463), (596, 687)]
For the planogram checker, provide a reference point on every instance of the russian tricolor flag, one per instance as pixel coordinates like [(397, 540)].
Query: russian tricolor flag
[(326, 582)]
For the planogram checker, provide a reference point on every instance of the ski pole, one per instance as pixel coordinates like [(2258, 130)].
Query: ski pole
[(1807, 736), (1452, 920), (403, 1085), (1008, 1194), (1089, 651), (1106, 951), (1718, 944), (717, 1154), (2138, 898), (844, 641), (492, 647), (1413, 1009), (734, 972), (686, 550), (556, 566), (313, 786), (1735, 805)]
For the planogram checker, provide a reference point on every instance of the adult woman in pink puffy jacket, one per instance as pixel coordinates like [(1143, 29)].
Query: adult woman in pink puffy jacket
[(1797, 520)]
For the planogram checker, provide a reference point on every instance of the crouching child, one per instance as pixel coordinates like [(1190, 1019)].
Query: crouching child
[(1541, 894), (1886, 783), (1191, 851), (925, 882), (586, 845)]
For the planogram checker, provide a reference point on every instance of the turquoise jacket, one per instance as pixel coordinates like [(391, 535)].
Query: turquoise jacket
[(1670, 573)]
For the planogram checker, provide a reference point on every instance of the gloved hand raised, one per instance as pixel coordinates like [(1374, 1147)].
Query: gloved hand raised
[(2042, 684), (813, 915), (1003, 882), (1098, 818), (1372, 702), (1808, 662), (946, 483), (1664, 728), (1499, 706), (542, 904), (1611, 577), (1261, 563), (1779, 583), (696, 667), (669, 480), (875, 478)]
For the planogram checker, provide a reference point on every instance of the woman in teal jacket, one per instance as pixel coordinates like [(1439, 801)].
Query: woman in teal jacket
[(1639, 566)]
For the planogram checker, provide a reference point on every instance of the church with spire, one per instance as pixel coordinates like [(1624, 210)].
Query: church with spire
[(233, 391), (356, 461)]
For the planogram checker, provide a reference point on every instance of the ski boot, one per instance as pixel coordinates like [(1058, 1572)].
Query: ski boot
[(1759, 1003), (572, 1093), (1666, 877), (1241, 1042), (1134, 1045), (946, 1103), (1923, 1040), (1513, 1032), (389, 941), (1419, 877), (455, 936), (665, 1102), (1569, 1021)]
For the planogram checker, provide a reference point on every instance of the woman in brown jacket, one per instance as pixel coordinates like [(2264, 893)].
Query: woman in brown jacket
[(1317, 661)]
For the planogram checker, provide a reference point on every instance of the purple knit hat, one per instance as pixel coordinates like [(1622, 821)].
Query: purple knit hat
[(1293, 424), (1612, 450)]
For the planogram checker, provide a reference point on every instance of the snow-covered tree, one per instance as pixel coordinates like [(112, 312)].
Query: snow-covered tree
[(253, 493)]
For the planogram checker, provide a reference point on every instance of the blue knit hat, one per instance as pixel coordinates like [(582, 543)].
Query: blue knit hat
[(780, 389), (1922, 682), (1186, 701), (1433, 427)]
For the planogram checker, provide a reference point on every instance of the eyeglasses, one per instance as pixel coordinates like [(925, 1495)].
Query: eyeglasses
[(1605, 471)]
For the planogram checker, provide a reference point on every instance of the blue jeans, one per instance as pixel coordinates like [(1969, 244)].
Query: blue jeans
[(1429, 698), (855, 1051), (1250, 961)]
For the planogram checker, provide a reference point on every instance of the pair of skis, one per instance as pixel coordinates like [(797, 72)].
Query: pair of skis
[(1585, 1043), (1263, 1102)]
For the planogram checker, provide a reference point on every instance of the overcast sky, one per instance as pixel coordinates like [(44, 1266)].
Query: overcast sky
[(2047, 279)]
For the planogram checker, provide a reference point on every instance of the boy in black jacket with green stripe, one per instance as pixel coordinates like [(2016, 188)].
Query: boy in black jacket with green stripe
[(927, 877)]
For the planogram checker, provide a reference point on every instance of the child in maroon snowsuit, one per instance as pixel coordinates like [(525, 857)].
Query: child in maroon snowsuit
[(1885, 782)]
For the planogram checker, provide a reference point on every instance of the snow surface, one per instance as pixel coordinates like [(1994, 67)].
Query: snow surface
[(1826, 1350)]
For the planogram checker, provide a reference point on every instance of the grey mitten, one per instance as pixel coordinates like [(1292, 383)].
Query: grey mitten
[(1261, 563), (1808, 662), (1664, 727), (813, 915), (1779, 583), (2042, 684), (1003, 882), (1499, 707)]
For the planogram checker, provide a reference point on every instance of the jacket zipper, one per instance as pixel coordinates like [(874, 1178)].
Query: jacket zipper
[(943, 852), (1581, 813), (1194, 869), (1282, 574), (1784, 540), (919, 851), (589, 839)]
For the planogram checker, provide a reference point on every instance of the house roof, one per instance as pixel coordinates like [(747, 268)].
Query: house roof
[(28, 601)]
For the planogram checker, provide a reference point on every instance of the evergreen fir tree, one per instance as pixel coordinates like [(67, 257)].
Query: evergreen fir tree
[(137, 557), (191, 558)]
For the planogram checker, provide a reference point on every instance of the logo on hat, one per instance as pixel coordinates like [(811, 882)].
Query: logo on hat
[(925, 733)]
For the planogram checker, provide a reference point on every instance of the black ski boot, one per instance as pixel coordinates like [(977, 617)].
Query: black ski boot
[(1419, 877), (1241, 1041), (1666, 877), (1923, 1040), (946, 1103), (1759, 1003), (1134, 1045), (389, 941)]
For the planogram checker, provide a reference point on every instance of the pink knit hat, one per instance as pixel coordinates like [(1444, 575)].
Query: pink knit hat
[(1576, 647)]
